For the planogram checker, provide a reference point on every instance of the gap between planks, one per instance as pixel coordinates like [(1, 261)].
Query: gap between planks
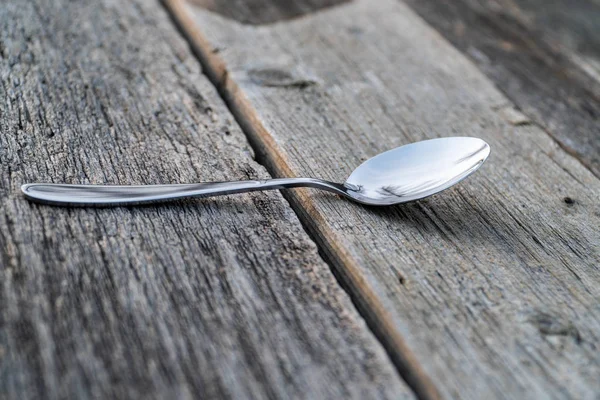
[(267, 154), (552, 75)]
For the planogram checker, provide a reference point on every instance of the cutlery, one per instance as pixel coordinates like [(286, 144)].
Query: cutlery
[(404, 174)]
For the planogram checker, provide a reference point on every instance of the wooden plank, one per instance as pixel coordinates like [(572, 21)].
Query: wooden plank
[(545, 56), (221, 298), (490, 289)]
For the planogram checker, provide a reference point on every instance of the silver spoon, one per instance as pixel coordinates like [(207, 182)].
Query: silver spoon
[(400, 175)]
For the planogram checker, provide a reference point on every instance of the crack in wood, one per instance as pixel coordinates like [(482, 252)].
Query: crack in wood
[(259, 12)]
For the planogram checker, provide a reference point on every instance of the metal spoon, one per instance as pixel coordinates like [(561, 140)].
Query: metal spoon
[(400, 175)]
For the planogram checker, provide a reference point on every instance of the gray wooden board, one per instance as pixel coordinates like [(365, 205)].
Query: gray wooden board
[(489, 290), (545, 55), (201, 298)]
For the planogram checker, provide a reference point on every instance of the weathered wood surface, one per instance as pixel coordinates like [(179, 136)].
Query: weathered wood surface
[(198, 299), (489, 290), (544, 55)]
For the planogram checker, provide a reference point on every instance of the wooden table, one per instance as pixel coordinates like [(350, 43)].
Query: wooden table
[(489, 290)]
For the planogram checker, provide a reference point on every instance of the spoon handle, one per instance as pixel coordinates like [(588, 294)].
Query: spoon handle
[(103, 195)]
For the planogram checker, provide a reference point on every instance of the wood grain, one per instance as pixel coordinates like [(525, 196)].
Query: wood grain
[(257, 12), (215, 298), (545, 56), (488, 290)]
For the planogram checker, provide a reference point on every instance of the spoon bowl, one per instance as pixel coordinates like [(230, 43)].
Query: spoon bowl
[(400, 175), (416, 170)]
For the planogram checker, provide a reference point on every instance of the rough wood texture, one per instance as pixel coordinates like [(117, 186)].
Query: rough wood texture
[(544, 55), (489, 290), (258, 12), (199, 299)]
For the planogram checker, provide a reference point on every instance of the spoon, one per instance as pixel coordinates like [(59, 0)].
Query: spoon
[(406, 173)]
